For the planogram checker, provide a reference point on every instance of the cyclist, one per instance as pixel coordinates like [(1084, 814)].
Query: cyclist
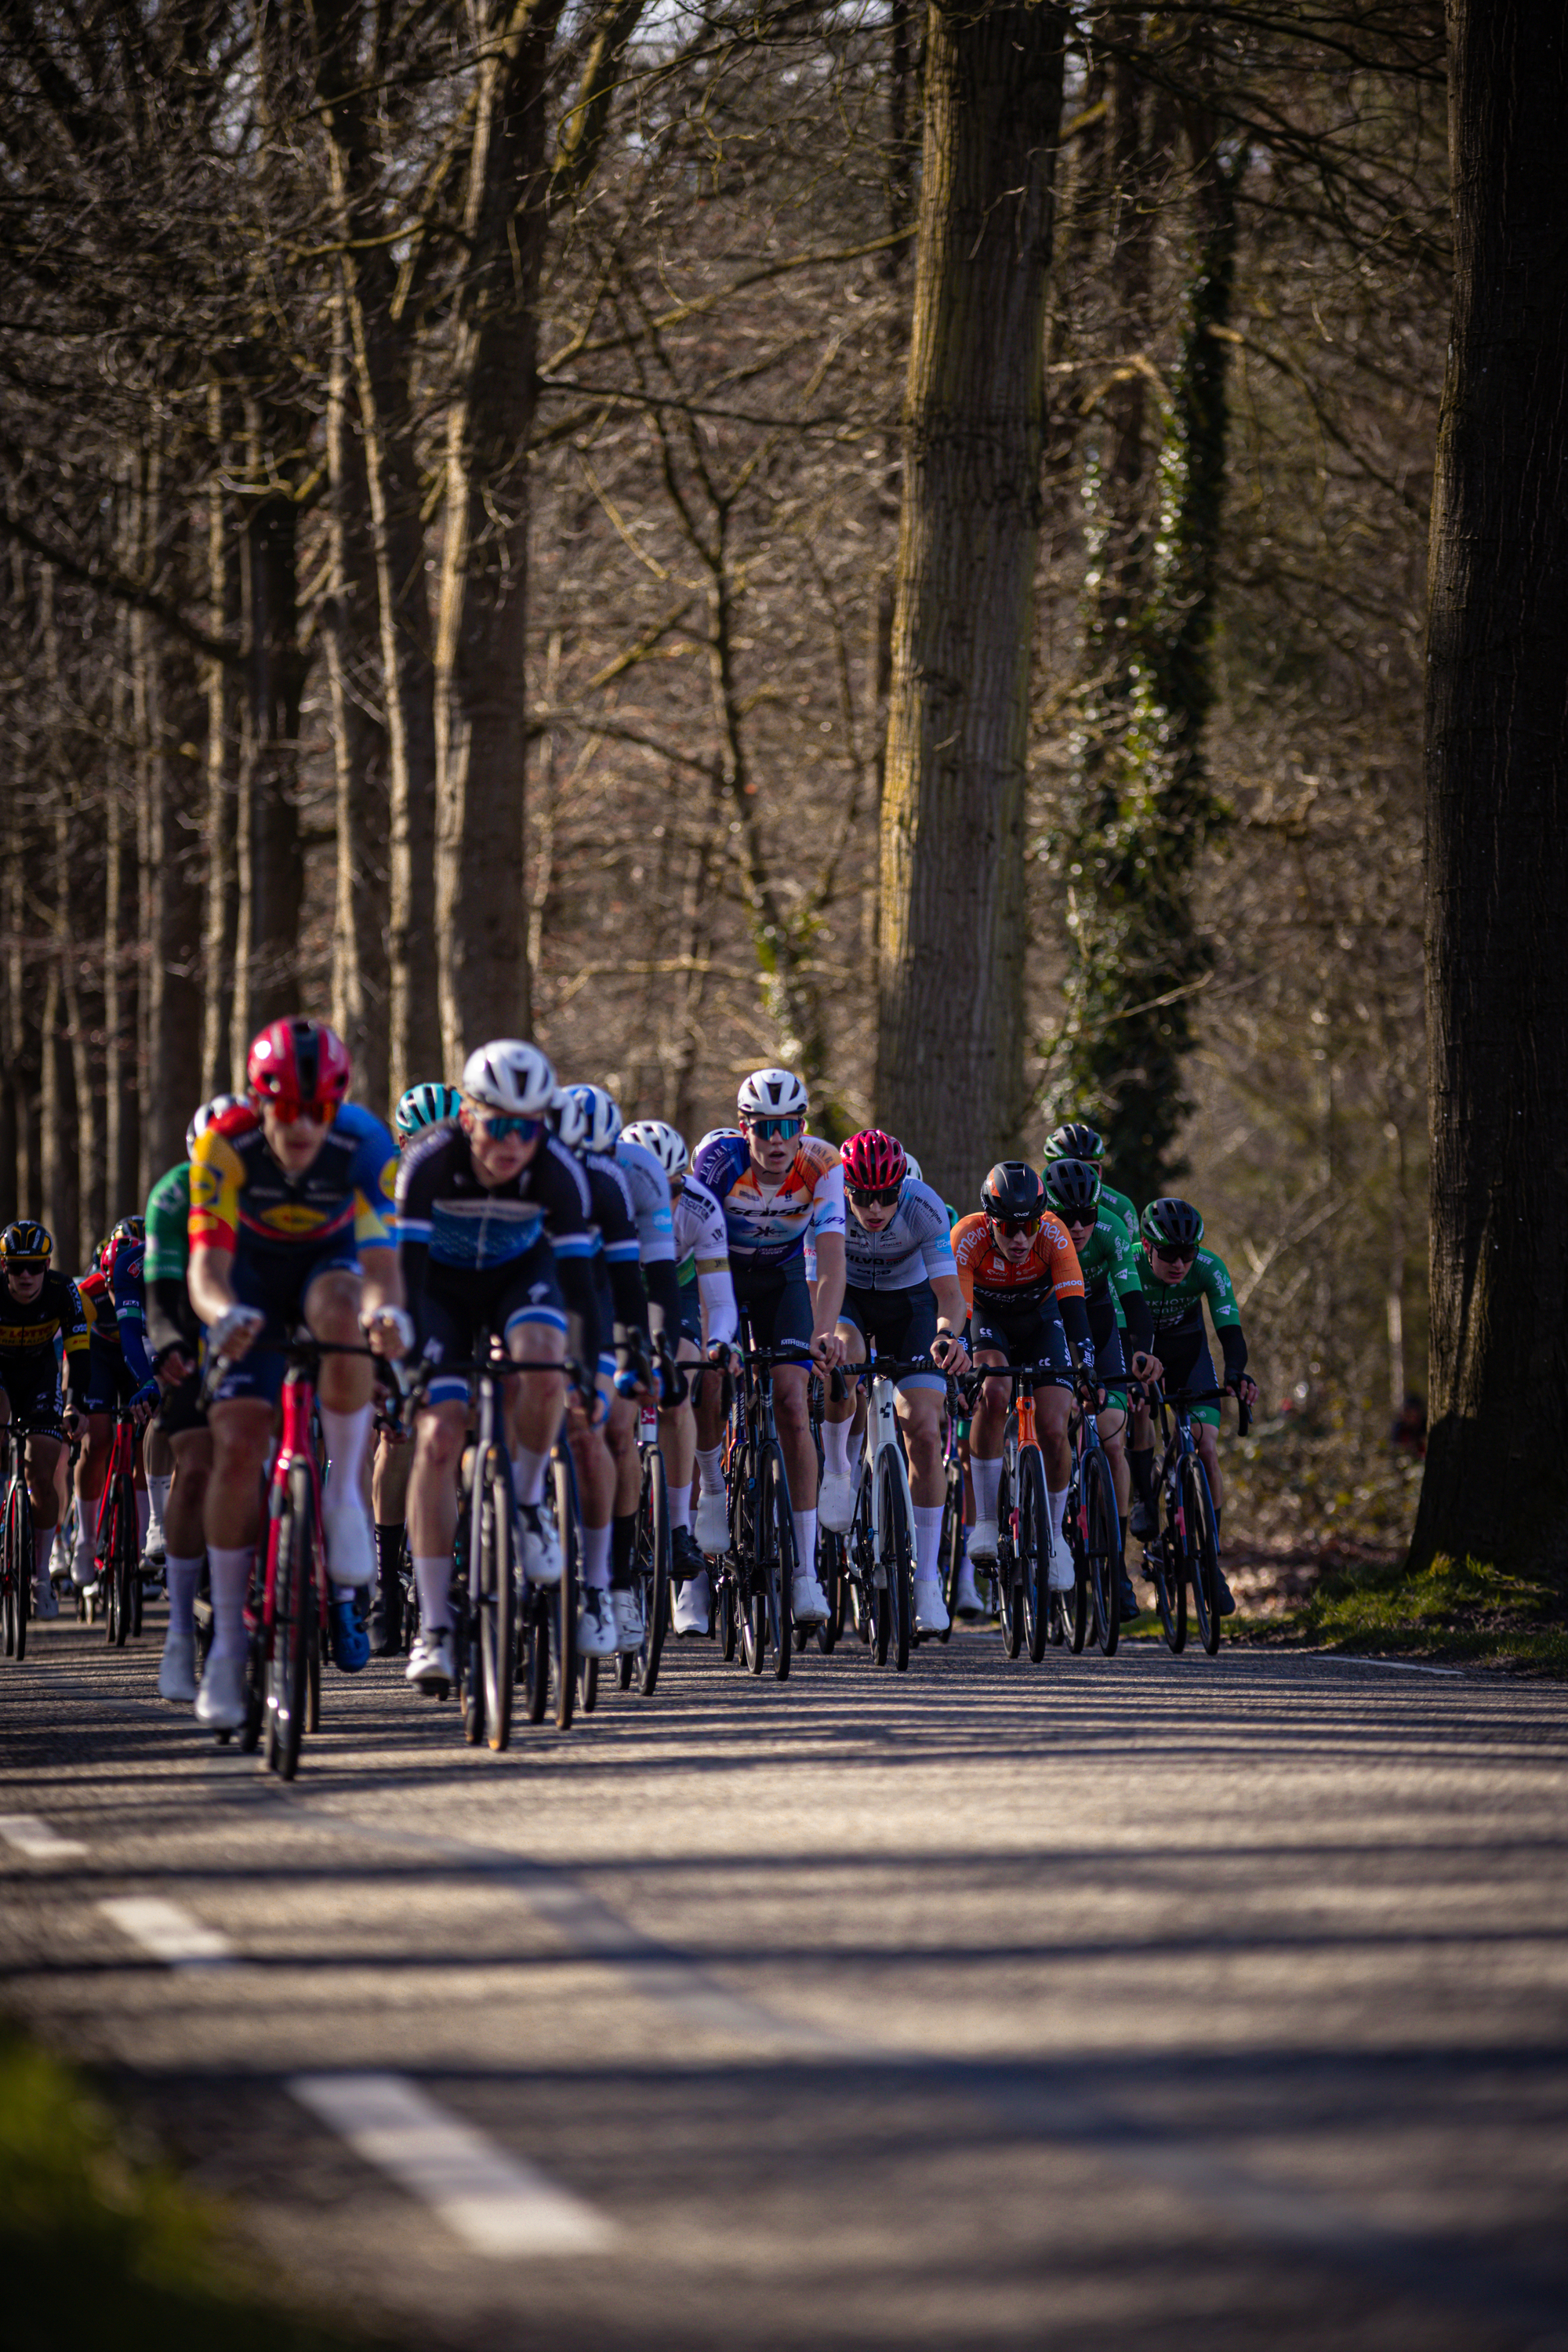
[(38, 1305), (1023, 1282), (173, 1335), (419, 1109), (1116, 1304), (1179, 1276), (291, 1221), (707, 1323), (1078, 1140), (902, 1296), (496, 1234), (776, 1185), (119, 1369)]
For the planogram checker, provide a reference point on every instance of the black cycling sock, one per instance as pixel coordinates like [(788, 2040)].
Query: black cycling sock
[(389, 1547), (1140, 1461), (623, 1536)]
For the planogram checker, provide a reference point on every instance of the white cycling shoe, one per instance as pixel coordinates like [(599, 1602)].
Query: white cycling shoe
[(931, 1609), (44, 1604), (350, 1547), (220, 1701), (597, 1636), (807, 1600), (1062, 1574), (539, 1546), (836, 1501), (430, 1666), (966, 1600), (693, 1611), (982, 1542), (627, 1609), (712, 1528), (177, 1667)]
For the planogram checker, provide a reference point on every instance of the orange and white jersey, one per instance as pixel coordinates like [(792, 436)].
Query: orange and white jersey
[(986, 1274)]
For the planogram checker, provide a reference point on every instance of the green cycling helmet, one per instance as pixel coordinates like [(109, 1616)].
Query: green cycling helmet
[(1171, 1224), (1075, 1141)]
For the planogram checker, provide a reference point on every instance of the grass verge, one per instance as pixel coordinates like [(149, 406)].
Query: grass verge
[(1454, 1612), (100, 2245)]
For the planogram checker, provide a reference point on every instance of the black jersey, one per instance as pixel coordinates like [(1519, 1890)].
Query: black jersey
[(445, 1207), (31, 1329)]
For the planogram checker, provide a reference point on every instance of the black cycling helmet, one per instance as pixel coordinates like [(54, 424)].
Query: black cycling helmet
[(1013, 1192), (27, 1242), (1072, 1189), (1170, 1223), (1075, 1141), (130, 1229)]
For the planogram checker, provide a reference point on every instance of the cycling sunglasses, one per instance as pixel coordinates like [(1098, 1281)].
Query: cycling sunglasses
[(772, 1130), (501, 1125), (875, 1196), (1183, 1256), (1016, 1224)]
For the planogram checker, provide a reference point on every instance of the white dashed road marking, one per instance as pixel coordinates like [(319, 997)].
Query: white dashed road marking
[(32, 1836), (168, 1931), (495, 2203)]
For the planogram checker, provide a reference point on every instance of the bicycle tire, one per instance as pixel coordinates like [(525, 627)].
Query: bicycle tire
[(951, 1552), (896, 1564), (778, 1582), (14, 1568), (725, 1616), (587, 1682), (293, 1610), (563, 1615), (127, 1563), (1171, 1583), (1034, 1573), (653, 1568), (1008, 1593), (493, 1604), (1203, 1551), (1101, 1536), (831, 1554)]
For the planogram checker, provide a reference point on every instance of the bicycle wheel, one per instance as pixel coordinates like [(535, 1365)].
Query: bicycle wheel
[(896, 1561), (1170, 1580), (775, 1558), (493, 1603), (1033, 1552), (1099, 1532), (653, 1569), (588, 1682), (564, 1613), (1008, 1579), (127, 1565), (1203, 1551), (293, 1621), (951, 1550), (16, 1566), (830, 1566), (726, 1614)]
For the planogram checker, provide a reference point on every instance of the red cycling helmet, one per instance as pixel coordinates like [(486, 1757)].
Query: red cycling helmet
[(874, 1162), (298, 1066)]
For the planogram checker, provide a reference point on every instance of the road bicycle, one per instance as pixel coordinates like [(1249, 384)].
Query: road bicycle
[(878, 1551), (117, 1546), (755, 1577), (1184, 1554), (1092, 1525), (16, 1542), (638, 1668), (1022, 1519)]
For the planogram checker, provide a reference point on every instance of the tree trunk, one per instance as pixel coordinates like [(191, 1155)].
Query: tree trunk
[(221, 915), (481, 695), (1496, 810), (951, 1015), (60, 1202), (271, 859)]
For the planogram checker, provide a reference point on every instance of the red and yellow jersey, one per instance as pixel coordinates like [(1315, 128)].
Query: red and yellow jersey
[(98, 1306), (984, 1274), (239, 1193)]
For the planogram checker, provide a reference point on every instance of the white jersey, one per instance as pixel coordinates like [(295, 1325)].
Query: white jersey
[(700, 1229), (649, 1188), (915, 1246)]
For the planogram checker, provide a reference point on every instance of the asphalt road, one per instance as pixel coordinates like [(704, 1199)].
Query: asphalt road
[(1154, 2001)]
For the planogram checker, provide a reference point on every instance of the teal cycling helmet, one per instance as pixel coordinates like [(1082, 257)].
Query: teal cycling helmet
[(428, 1104)]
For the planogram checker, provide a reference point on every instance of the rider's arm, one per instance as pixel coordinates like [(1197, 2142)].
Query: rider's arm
[(383, 1278), (716, 1290), (830, 1279), (131, 1317), (1226, 1314), (574, 1271), (663, 1295), (951, 1309), (168, 1315), (74, 1333), (211, 1281)]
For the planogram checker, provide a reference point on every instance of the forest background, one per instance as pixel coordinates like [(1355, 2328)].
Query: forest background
[(452, 461)]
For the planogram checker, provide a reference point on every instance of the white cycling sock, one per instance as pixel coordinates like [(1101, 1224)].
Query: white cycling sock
[(85, 1535), (434, 1579), (182, 1577), (987, 1477), (230, 1567), (1056, 1505), (346, 1435), (158, 1489), (927, 1539), (143, 1514), (680, 1508), (805, 1542), (43, 1544), (836, 1447), (711, 1471), (528, 1475), (596, 1558)]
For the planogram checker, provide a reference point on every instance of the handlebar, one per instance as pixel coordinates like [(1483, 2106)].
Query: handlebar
[(1157, 1394)]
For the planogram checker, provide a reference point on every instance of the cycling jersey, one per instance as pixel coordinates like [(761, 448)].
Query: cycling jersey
[(1177, 1309), (444, 1207), (768, 1223), (124, 1276), (31, 1329), (914, 1245), (1116, 1205), (240, 1194), (649, 1188), (615, 1215), (996, 1290), (1110, 1272), (109, 1377), (697, 1224), (171, 1321)]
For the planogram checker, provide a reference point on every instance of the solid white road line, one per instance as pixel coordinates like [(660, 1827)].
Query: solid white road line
[(34, 1837), (168, 1931), (1389, 1665), (497, 2203)]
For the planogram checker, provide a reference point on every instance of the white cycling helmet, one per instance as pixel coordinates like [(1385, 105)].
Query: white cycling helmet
[(598, 1120), (202, 1120), (511, 1075), (772, 1094), (666, 1143), (912, 1168)]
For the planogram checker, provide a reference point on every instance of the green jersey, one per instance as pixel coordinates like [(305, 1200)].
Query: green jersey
[(1110, 1263), (168, 1217), (1178, 1306), (1116, 1205)]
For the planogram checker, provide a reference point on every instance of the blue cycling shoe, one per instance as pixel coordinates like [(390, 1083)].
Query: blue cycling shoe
[(346, 1637)]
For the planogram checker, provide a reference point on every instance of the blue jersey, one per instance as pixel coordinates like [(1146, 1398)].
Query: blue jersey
[(240, 1194), (124, 1272), (445, 1207)]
